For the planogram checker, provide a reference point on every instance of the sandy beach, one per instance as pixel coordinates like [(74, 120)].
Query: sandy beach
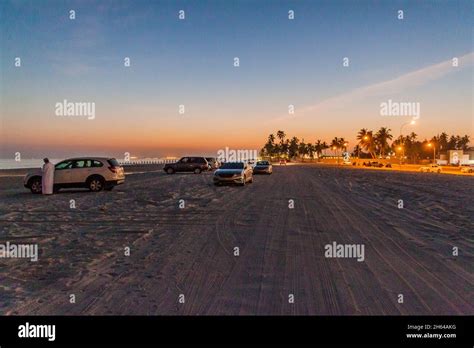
[(190, 251)]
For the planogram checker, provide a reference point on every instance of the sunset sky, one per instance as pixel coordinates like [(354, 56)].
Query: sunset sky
[(190, 62)]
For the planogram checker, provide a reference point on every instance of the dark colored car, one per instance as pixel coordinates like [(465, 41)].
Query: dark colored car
[(187, 164), (263, 167), (373, 164)]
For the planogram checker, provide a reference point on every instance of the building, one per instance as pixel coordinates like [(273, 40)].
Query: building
[(457, 157)]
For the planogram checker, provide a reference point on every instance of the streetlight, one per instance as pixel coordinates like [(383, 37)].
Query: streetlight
[(334, 148), (358, 148), (366, 137), (400, 148), (434, 149)]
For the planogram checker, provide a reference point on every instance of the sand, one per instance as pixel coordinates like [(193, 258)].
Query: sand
[(190, 251)]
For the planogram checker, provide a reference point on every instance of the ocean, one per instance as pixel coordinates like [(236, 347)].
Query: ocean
[(24, 163)]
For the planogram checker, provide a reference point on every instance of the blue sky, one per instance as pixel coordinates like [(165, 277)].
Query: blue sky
[(190, 62)]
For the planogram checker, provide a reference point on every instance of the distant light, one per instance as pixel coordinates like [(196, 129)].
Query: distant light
[(412, 122)]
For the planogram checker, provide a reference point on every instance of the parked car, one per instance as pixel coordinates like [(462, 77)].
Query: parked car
[(94, 173), (263, 167), (213, 162), (388, 165), (467, 169), (431, 168), (233, 173), (283, 162), (187, 164), (373, 164)]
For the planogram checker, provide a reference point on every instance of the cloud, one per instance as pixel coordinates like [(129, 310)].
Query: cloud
[(402, 83)]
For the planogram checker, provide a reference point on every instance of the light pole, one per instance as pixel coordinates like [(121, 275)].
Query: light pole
[(400, 148), (434, 151), (366, 138)]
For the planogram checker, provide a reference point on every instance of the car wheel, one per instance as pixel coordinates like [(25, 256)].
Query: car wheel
[(170, 171), (197, 171), (95, 184), (35, 186)]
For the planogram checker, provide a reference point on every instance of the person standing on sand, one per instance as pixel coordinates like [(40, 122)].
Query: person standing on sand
[(47, 180)]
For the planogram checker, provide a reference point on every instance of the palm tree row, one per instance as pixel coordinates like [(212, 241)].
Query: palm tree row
[(370, 144), (291, 148)]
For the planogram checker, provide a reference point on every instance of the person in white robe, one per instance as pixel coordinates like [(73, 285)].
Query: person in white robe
[(47, 180)]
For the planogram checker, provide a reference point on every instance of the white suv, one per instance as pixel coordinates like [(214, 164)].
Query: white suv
[(94, 173)]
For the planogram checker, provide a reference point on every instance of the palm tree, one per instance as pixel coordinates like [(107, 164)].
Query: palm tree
[(293, 147), (281, 135), (271, 138), (336, 144), (310, 150), (269, 148), (381, 139), (443, 141), (356, 151), (302, 150), (366, 141), (319, 147), (464, 142)]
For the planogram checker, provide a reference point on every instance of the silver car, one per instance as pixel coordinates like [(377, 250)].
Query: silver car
[(94, 173), (263, 167), (233, 173)]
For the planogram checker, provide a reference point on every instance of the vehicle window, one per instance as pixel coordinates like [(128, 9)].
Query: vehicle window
[(262, 163), (63, 165), (200, 160), (81, 164), (97, 163), (113, 162), (184, 160), (232, 165)]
